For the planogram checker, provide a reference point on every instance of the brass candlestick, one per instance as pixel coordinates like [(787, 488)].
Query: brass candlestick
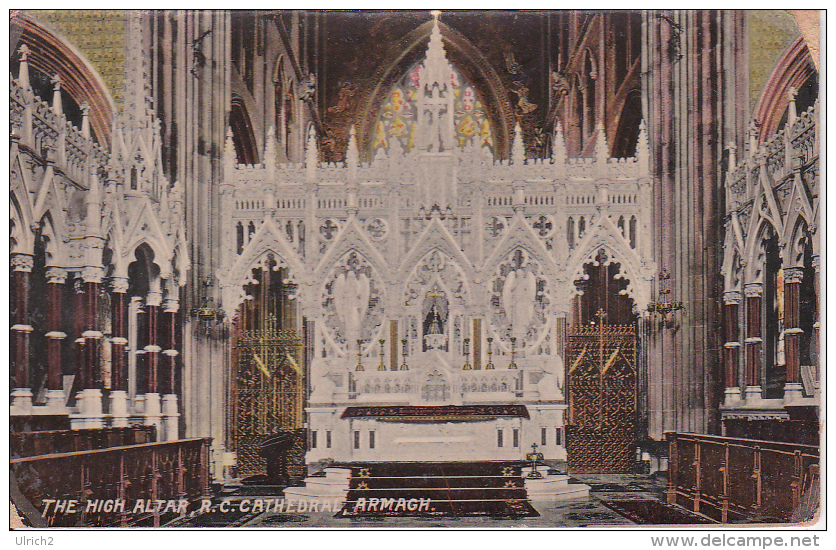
[(489, 365), (467, 355), (359, 367), (405, 353), (381, 366), (513, 365)]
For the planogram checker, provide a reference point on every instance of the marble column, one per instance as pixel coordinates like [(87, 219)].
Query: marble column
[(169, 367), (118, 349), (792, 332), (731, 348), (754, 341), (21, 393), (153, 411), (56, 278)]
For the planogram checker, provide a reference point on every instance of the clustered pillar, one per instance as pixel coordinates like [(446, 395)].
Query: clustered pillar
[(56, 279), (169, 368), (153, 406), (792, 332), (754, 340), (731, 348), (118, 352), (89, 399), (21, 393), (151, 377)]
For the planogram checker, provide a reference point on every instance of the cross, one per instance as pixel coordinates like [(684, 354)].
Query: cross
[(328, 229), (495, 226), (533, 447), (543, 225)]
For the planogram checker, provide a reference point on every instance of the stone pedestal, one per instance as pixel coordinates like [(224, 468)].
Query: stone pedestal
[(56, 403), (555, 487), (753, 394), (119, 408), (332, 487), (90, 414), (170, 418), (139, 405), (732, 398), (793, 392), (153, 413), (21, 402)]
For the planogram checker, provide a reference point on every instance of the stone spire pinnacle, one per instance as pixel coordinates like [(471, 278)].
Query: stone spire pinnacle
[(436, 67), (434, 130), (352, 155), (311, 155), (23, 75), (732, 157), (517, 148), (792, 111), (602, 148), (230, 161), (57, 103), (85, 119), (558, 145), (643, 149), (270, 152), (229, 148), (137, 87)]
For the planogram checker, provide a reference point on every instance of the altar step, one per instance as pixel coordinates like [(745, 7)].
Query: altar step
[(437, 489), (491, 488), (333, 484)]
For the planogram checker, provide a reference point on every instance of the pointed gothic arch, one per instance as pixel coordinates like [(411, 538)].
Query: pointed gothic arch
[(243, 134), (20, 237), (791, 71), (434, 237), (606, 237), (351, 237), (52, 54), (763, 229), (267, 242), (465, 57)]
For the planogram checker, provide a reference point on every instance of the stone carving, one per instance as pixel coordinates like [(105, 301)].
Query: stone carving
[(352, 302)]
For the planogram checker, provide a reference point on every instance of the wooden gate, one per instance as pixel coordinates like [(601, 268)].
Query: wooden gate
[(601, 428), (269, 392)]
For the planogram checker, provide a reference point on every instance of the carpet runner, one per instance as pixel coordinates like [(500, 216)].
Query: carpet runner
[(380, 489)]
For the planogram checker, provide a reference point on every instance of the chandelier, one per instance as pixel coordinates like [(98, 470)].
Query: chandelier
[(207, 312), (665, 305)]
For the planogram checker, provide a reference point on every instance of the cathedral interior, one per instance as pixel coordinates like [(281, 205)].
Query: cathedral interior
[(255, 247)]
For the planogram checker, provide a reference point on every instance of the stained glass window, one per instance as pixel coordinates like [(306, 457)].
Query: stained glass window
[(397, 119)]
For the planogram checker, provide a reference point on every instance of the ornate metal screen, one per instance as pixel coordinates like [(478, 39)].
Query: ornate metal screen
[(601, 429), (269, 393)]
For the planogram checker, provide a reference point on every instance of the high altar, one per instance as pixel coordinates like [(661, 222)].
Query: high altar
[(436, 282)]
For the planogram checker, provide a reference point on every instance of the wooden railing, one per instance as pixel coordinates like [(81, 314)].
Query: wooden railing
[(67, 441), (741, 480), (169, 472)]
